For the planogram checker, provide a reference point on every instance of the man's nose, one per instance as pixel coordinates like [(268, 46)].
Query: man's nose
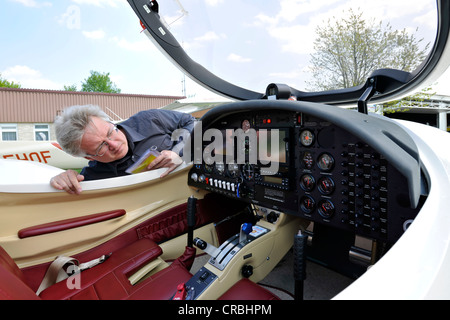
[(113, 144)]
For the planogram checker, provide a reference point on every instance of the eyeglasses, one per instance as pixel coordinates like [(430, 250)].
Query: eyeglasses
[(103, 147)]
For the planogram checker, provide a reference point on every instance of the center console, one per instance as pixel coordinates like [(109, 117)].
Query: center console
[(250, 253), (221, 257)]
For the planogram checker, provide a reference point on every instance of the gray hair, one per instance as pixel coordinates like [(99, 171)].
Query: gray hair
[(71, 124)]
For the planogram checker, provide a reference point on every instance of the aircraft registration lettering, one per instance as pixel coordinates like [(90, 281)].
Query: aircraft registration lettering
[(40, 156)]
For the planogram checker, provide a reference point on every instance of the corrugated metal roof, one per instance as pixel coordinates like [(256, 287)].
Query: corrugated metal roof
[(34, 105), (196, 109)]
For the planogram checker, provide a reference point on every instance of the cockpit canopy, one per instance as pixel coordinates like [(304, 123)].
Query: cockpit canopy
[(333, 52)]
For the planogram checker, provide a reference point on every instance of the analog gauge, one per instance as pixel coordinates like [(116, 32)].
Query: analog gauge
[(220, 167), (208, 167), (325, 185), (308, 160), (248, 171), (306, 138), (307, 182), (307, 204), (326, 208), (233, 170), (245, 125), (325, 162)]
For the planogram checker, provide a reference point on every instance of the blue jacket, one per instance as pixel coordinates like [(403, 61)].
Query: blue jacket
[(143, 130)]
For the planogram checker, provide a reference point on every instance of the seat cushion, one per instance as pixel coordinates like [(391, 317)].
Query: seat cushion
[(108, 280), (162, 285), (13, 288), (245, 289)]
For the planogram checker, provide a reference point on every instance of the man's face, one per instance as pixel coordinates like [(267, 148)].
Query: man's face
[(103, 142)]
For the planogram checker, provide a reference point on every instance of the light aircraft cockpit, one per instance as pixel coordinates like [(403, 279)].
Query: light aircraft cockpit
[(275, 172)]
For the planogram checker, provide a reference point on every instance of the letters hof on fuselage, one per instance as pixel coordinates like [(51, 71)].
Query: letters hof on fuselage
[(40, 156)]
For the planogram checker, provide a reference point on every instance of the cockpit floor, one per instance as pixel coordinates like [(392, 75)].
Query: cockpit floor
[(321, 283)]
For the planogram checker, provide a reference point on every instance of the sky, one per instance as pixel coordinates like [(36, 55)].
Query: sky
[(49, 44)]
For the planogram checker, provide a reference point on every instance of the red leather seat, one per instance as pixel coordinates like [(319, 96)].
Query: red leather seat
[(13, 288), (245, 289), (107, 281)]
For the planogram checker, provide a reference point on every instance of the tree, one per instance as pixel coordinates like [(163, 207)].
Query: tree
[(403, 105), (348, 50), (98, 82), (8, 84), (71, 88)]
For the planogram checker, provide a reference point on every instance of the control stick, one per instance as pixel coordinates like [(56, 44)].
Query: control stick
[(191, 209), (300, 241)]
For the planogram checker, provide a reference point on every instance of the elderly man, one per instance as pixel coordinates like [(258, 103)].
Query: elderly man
[(86, 131)]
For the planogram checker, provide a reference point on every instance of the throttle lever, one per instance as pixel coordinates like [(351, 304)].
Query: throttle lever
[(205, 246), (246, 229)]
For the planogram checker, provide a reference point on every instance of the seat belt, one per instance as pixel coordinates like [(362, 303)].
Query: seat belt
[(56, 271)]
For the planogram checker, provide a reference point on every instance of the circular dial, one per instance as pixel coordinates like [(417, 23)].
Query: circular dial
[(307, 204), (308, 160), (325, 185), (208, 167), (326, 208), (248, 171), (233, 170), (220, 167), (307, 182), (306, 138), (325, 162)]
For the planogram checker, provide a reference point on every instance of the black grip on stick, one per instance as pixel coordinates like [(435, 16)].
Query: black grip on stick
[(191, 210), (300, 241)]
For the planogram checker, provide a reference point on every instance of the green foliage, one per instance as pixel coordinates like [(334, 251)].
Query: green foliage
[(71, 88), (348, 50), (8, 84), (98, 82), (403, 105)]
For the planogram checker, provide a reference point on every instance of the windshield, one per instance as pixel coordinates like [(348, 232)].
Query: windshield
[(308, 45)]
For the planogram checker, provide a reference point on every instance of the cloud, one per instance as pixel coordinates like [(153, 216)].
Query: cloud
[(210, 36), (197, 42), (138, 46), (100, 3), (237, 58), (286, 75), (33, 3), (213, 3), (96, 34), (29, 78), (295, 22), (289, 36), (296, 34)]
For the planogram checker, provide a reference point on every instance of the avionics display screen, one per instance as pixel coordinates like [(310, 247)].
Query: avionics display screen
[(268, 151)]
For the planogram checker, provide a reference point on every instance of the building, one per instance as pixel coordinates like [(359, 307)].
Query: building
[(433, 111), (28, 114)]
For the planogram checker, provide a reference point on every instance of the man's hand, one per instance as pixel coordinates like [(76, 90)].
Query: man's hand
[(68, 181), (167, 159)]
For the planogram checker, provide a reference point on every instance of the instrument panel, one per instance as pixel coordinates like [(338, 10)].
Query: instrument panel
[(308, 167)]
